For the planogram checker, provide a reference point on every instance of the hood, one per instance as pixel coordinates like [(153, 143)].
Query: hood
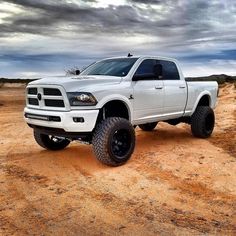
[(79, 83)]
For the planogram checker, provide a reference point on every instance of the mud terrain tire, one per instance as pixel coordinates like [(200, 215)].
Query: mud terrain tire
[(202, 122), (113, 141), (50, 142)]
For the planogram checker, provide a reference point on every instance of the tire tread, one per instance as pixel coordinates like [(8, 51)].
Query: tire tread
[(101, 137), (198, 121)]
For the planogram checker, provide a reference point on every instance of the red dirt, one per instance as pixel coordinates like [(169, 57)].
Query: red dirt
[(174, 184)]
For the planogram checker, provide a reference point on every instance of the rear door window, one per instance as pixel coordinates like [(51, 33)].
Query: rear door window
[(169, 70), (146, 67)]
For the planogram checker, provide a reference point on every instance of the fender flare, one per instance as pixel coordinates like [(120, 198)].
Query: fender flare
[(117, 97), (203, 93)]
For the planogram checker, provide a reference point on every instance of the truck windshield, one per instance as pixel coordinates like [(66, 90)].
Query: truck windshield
[(111, 67)]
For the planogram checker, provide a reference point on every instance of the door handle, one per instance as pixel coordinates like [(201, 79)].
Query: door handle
[(159, 87), (182, 86)]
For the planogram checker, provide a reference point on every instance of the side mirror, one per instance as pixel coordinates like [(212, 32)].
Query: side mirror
[(77, 72), (157, 71)]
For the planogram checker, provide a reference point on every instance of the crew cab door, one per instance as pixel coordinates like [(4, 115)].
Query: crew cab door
[(175, 90), (148, 93)]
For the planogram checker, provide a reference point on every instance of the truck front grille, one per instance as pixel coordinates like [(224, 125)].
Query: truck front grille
[(33, 101), (51, 91), (54, 103), (41, 97), (32, 91)]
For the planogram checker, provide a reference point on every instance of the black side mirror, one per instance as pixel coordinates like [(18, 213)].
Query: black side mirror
[(157, 71), (77, 72)]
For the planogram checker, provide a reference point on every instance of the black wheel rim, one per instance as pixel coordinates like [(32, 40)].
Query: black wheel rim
[(121, 143), (209, 123)]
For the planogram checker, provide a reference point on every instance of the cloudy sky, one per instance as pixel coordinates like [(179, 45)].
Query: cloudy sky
[(39, 38)]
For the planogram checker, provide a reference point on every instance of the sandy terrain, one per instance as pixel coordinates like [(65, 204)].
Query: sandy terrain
[(173, 185)]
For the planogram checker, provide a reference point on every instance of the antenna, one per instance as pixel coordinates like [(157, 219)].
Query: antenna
[(130, 55)]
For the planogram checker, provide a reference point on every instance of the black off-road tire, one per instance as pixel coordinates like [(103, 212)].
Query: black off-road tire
[(108, 138), (50, 142), (148, 126), (202, 122)]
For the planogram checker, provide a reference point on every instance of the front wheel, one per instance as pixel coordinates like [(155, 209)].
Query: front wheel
[(113, 141), (202, 122), (50, 142)]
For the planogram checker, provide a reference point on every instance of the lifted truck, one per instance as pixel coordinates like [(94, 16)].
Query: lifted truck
[(103, 105)]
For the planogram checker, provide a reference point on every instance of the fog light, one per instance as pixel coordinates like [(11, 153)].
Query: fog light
[(55, 118), (78, 119)]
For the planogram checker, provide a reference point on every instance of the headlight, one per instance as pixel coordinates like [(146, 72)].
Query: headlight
[(81, 99)]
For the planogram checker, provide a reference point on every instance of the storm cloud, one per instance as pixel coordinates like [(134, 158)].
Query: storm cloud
[(45, 37)]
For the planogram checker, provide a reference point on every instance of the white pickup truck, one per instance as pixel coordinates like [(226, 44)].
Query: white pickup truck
[(103, 105)]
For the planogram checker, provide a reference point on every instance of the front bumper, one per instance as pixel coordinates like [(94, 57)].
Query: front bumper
[(62, 119)]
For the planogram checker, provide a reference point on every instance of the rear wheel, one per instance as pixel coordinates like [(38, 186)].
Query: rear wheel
[(113, 141), (202, 122), (148, 126), (50, 142)]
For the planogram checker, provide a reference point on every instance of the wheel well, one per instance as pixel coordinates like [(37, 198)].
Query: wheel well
[(204, 101), (115, 108)]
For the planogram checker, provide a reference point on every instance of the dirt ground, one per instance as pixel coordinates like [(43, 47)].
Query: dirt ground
[(174, 184)]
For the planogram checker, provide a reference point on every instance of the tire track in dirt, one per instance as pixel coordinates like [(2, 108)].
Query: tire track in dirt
[(145, 212), (228, 134), (185, 186), (23, 174), (31, 217)]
